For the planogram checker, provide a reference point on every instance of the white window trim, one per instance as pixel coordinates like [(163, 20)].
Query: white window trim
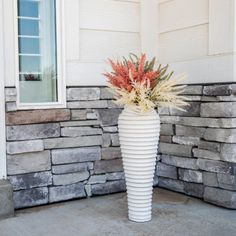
[(60, 62), (3, 162)]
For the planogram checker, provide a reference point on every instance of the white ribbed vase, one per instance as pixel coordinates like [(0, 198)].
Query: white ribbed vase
[(139, 136)]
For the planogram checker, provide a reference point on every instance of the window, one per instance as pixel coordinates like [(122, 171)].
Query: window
[(37, 52)]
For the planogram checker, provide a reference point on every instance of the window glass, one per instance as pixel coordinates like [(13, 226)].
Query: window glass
[(28, 27), (37, 51), (29, 46), (28, 8)]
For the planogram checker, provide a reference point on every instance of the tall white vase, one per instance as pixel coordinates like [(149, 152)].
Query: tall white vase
[(139, 136)]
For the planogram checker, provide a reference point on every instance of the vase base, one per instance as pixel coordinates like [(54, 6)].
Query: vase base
[(140, 220)]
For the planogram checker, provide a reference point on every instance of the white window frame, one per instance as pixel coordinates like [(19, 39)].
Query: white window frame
[(60, 40), (3, 161)]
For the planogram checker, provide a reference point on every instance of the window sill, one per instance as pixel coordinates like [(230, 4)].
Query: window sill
[(35, 106)]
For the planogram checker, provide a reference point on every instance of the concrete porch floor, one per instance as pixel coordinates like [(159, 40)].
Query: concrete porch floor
[(173, 214)]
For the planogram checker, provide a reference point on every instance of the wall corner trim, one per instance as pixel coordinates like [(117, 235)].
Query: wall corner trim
[(3, 171)]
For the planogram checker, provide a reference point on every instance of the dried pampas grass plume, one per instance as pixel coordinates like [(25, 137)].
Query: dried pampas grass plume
[(137, 84)]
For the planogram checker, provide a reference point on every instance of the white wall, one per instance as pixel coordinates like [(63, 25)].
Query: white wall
[(193, 36), (198, 37), (93, 31), (100, 29)]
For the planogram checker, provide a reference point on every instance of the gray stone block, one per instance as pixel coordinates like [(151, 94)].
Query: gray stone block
[(193, 98), (83, 94), (220, 197), (80, 123), (97, 179), (72, 168), (31, 180), (80, 131), (217, 90), (109, 117), (163, 111), (107, 166), (228, 152), (166, 170), (172, 184), (11, 106), (215, 166), (189, 131), (188, 163), (210, 179), (221, 135), (227, 181), (175, 149), (194, 189), (30, 197), (73, 142), (211, 146), (87, 188), (221, 109), (200, 121), (110, 129), (62, 193), (113, 104), (10, 94), (28, 163), (78, 114), (167, 129), (115, 176), (25, 146), (165, 139), (92, 115), (193, 90), (6, 199), (25, 132), (106, 93), (192, 110), (87, 104), (206, 154), (73, 155), (111, 153), (192, 141), (194, 176), (230, 98), (115, 140), (106, 140), (71, 178), (109, 187)]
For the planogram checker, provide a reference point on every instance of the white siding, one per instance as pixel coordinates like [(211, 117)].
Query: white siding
[(198, 37), (109, 15), (105, 28), (183, 30), (221, 24), (179, 14), (188, 34), (184, 44), (97, 46)]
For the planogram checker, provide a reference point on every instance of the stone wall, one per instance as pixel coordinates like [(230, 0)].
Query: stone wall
[(61, 154), (198, 148)]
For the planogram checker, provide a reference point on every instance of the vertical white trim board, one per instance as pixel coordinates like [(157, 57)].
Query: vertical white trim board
[(3, 171)]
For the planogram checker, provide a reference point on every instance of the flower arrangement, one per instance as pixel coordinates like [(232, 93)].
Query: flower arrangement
[(137, 84)]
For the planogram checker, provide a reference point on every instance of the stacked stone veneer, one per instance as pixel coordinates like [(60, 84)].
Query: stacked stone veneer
[(59, 154), (198, 147)]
